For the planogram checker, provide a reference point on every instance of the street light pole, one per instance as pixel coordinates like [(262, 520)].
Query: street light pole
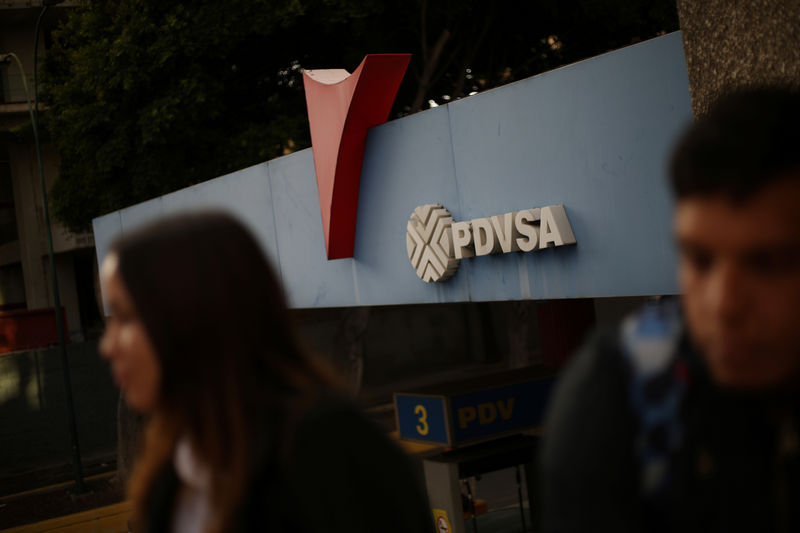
[(34, 113), (73, 428)]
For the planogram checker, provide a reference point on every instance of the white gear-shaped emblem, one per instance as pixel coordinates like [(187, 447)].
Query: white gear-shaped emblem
[(429, 242)]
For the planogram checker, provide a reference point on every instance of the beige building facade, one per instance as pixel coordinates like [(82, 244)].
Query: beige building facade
[(24, 266)]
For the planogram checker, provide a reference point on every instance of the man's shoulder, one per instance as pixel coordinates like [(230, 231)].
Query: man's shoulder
[(621, 375), (645, 341), (603, 407)]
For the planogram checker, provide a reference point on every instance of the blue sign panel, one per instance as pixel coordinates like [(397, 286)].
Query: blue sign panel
[(500, 410), (594, 137), (421, 418)]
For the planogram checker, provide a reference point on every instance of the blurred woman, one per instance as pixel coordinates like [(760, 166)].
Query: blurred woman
[(247, 432)]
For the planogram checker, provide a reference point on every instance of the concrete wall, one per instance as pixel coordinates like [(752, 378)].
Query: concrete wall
[(379, 350), (731, 44), (30, 220)]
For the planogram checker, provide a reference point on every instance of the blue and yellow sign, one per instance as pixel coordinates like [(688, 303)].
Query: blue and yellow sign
[(470, 413), (422, 417), (500, 410)]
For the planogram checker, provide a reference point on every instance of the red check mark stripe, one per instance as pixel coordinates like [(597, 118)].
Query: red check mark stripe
[(341, 109)]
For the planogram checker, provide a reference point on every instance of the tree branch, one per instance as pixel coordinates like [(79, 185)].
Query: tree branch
[(430, 67)]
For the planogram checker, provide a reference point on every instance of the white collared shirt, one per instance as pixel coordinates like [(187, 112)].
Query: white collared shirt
[(192, 510)]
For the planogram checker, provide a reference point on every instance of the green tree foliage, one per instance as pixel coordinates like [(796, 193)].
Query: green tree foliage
[(148, 96)]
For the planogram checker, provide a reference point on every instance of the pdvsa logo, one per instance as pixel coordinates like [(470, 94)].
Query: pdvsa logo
[(436, 243)]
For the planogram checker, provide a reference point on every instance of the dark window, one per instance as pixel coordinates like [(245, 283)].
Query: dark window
[(88, 301), (8, 217), (12, 288)]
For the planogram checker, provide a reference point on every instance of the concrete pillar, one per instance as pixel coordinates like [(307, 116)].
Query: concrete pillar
[(734, 44), (444, 495), (30, 223)]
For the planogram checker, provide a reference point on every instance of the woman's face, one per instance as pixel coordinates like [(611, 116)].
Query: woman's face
[(126, 343)]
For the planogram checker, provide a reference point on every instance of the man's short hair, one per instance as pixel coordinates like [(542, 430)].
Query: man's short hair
[(749, 139)]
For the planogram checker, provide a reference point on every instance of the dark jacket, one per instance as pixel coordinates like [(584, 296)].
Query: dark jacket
[(342, 475), (736, 468)]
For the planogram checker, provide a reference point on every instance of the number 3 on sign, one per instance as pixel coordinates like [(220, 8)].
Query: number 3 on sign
[(422, 427)]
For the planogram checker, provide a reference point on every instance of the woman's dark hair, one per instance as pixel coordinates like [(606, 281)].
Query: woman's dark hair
[(230, 361), (749, 139)]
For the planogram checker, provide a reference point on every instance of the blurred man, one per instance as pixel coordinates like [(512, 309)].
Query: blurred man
[(687, 417)]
